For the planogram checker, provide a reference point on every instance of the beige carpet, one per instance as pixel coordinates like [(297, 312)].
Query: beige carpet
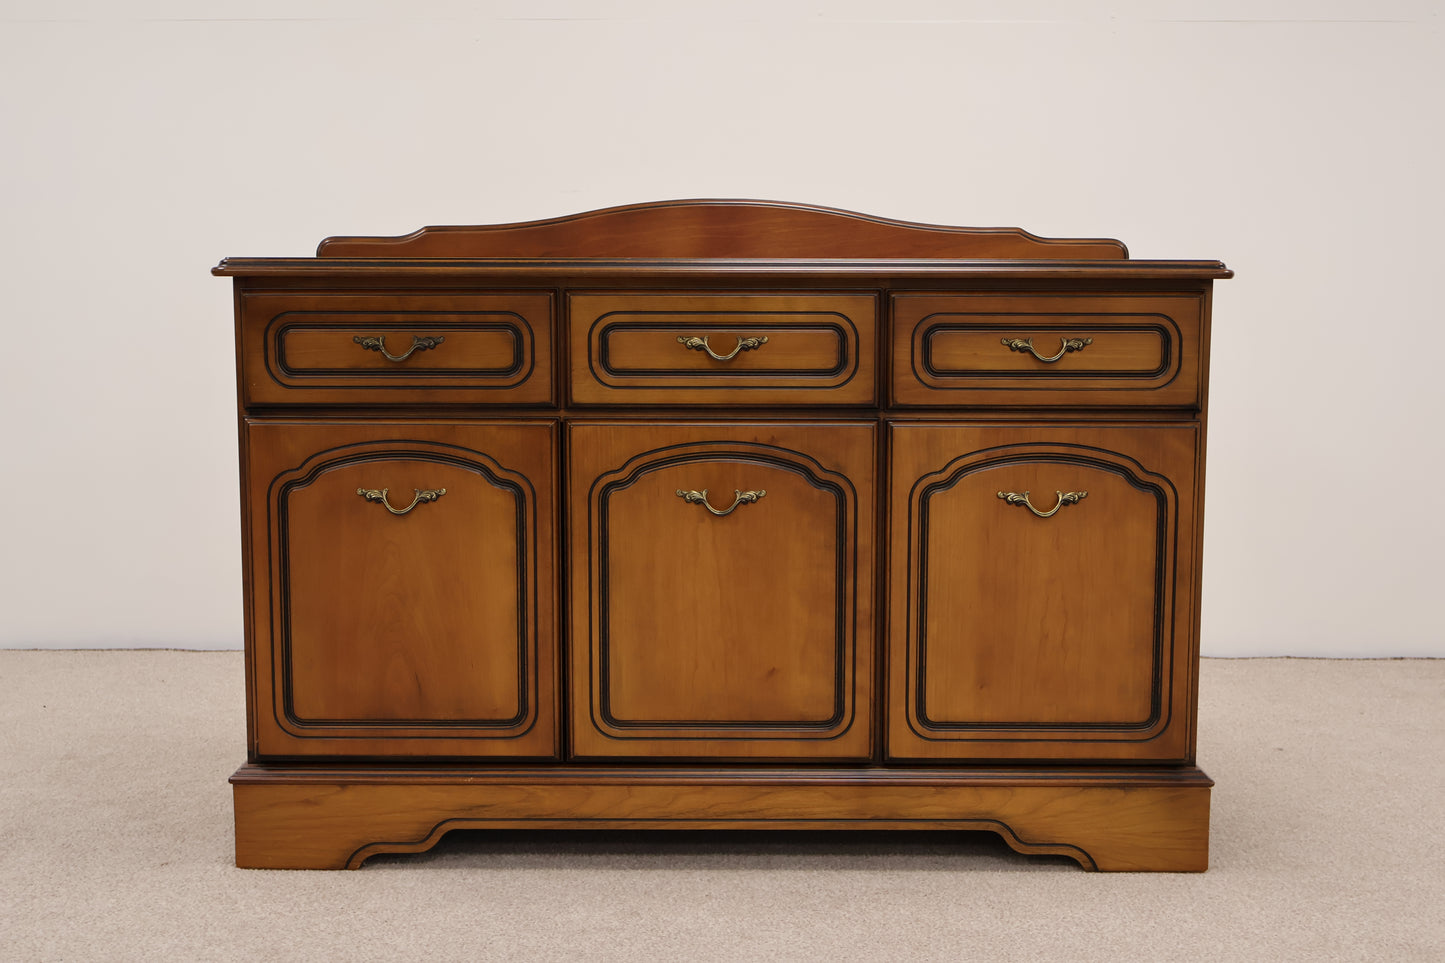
[(115, 844)]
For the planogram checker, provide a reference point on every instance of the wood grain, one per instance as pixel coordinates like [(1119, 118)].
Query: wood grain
[(708, 636), (1143, 350), (922, 653), (429, 633), (1015, 636), (298, 348), (318, 820), (820, 349), (719, 229)]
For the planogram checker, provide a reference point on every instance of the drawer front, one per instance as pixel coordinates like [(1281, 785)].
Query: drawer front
[(404, 593), (731, 349), (397, 349), (722, 595), (1046, 350)]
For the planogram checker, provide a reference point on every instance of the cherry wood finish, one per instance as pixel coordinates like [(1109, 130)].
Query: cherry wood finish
[(1106, 819), (718, 229), (1014, 636), (1122, 349), (748, 634), (432, 633), (630, 349), (303, 349), (862, 594)]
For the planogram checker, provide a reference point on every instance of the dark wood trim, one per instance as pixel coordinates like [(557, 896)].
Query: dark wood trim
[(713, 775), (866, 271)]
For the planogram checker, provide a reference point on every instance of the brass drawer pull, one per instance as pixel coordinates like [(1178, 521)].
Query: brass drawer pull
[(1027, 344), (739, 498), (700, 344), (420, 495), (1065, 498), (378, 343)]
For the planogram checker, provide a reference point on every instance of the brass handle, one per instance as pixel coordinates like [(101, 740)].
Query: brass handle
[(739, 498), (1027, 344), (420, 495), (700, 344), (1065, 498), (378, 343)]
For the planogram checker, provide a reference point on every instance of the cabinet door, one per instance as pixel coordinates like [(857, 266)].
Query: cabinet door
[(402, 589), (722, 587), (1042, 596)]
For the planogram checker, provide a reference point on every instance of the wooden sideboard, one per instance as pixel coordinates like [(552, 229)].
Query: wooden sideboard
[(722, 514)]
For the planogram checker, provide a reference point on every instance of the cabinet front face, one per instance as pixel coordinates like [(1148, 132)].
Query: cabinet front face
[(403, 593), (1041, 604), (722, 586)]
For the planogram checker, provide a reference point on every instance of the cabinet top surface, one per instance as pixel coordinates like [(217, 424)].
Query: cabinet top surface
[(716, 237)]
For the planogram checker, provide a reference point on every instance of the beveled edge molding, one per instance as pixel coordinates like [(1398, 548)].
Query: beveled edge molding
[(573, 271), (723, 773), (720, 228)]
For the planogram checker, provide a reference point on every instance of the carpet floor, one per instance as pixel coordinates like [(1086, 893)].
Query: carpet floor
[(115, 844)]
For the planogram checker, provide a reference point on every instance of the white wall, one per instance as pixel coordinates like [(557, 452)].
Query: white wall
[(1299, 142)]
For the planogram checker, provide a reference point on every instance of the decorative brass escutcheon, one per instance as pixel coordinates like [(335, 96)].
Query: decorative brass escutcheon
[(700, 344), (739, 498), (1065, 498), (378, 343), (420, 495), (1027, 344)]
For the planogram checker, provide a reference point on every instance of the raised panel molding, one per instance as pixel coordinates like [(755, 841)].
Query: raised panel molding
[(785, 587), (379, 628), (1160, 326), (845, 575), (926, 488), (1063, 637), (515, 484), (517, 369)]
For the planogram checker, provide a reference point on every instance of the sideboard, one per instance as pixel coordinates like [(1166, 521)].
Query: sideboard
[(721, 515)]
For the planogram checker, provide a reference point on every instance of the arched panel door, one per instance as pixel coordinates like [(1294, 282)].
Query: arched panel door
[(1042, 601), (722, 590), (404, 581)]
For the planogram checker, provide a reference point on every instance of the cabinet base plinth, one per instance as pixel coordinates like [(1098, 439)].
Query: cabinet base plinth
[(319, 817)]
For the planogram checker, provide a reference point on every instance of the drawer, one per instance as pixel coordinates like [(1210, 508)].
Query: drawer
[(737, 349), (992, 349), (396, 349)]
